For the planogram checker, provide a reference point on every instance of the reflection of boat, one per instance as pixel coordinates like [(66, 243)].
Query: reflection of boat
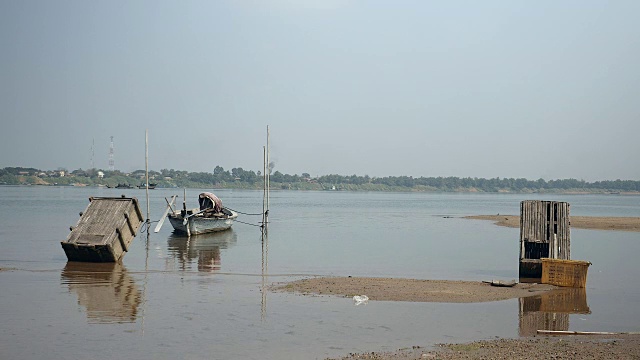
[(106, 290), (203, 249), (210, 217), (550, 311)]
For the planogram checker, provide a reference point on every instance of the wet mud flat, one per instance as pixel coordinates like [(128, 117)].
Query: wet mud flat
[(395, 289), (623, 346), (614, 346), (578, 222)]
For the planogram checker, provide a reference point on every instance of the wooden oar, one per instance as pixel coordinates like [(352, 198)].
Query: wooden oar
[(172, 201), (166, 212)]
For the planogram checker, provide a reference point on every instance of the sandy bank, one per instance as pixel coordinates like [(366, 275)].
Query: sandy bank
[(388, 289), (565, 347), (622, 346), (578, 222)]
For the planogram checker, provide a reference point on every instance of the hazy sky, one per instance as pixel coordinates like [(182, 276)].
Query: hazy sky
[(534, 89)]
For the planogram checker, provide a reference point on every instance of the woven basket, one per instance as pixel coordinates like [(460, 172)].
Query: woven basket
[(570, 273)]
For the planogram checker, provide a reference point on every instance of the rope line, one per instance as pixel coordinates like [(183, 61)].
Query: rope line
[(246, 223), (146, 226), (240, 212)]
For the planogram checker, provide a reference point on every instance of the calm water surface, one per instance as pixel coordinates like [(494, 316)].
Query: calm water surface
[(204, 298)]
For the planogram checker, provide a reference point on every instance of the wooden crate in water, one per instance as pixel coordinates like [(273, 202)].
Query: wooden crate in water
[(570, 273), (105, 230)]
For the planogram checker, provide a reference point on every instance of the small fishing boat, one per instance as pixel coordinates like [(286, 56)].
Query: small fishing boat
[(211, 216), (144, 186), (123, 186)]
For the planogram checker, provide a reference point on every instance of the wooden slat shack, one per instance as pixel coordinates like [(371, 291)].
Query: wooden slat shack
[(105, 230), (544, 233)]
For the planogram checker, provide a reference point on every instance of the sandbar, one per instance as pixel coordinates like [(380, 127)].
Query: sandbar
[(415, 290), (577, 222)]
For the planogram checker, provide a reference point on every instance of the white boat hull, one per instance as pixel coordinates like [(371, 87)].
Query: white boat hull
[(201, 225)]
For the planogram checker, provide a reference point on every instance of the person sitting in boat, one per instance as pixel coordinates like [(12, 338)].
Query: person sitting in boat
[(210, 204)]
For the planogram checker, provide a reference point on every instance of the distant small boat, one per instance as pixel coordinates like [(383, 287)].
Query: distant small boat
[(210, 217), (144, 186), (124, 186)]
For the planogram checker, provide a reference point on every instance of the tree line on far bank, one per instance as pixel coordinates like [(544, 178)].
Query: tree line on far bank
[(248, 179)]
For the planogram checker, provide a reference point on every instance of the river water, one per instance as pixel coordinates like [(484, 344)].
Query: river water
[(206, 297)]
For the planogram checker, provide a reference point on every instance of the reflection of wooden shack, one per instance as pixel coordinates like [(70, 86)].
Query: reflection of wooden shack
[(107, 291), (105, 230), (550, 311), (544, 233)]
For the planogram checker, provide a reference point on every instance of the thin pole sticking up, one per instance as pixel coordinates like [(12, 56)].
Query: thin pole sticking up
[(266, 214), (148, 222), (264, 184), (184, 207), (265, 222), (146, 172), (265, 273)]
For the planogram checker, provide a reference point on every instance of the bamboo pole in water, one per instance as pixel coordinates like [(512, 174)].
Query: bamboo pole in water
[(264, 183), (265, 195), (266, 215), (146, 172), (148, 225)]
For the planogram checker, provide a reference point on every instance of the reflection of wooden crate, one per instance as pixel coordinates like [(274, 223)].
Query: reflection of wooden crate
[(571, 273), (107, 291)]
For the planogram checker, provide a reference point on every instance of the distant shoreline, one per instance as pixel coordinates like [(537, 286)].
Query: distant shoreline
[(577, 222), (349, 188), (238, 178)]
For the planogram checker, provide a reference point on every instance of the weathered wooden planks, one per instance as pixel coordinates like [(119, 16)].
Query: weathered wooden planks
[(104, 231), (544, 233)]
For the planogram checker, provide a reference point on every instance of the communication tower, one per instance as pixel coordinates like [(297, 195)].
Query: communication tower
[(93, 145), (111, 162)]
